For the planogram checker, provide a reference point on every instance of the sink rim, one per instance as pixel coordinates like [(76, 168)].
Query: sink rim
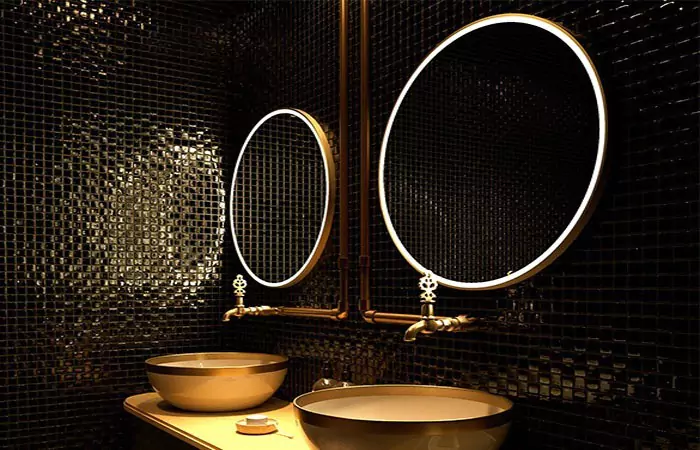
[(276, 363), (413, 427)]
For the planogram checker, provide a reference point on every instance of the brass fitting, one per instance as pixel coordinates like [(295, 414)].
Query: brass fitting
[(449, 324), (250, 311), (239, 285), (418, 327), (430, 324)]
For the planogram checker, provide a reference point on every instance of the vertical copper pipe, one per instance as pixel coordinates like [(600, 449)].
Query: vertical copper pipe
[(364, 155), (343, 264)]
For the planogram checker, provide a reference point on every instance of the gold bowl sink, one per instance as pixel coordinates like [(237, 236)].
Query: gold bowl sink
[(213, 382), (403, 417)]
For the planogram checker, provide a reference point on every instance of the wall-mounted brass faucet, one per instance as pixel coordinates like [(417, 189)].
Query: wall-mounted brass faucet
[(240, 310), (430, 324), (239, 285)]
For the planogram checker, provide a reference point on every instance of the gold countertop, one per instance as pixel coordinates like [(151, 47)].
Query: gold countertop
[(217, 431)]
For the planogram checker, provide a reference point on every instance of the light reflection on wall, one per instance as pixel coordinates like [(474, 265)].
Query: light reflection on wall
[(113, 200)]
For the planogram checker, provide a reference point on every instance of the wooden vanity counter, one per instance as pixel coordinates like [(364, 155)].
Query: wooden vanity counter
[(217, 431)]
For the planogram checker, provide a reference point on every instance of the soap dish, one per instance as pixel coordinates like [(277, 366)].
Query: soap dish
[(256, 424)]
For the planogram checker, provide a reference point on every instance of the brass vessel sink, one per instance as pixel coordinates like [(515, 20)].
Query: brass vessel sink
[(403, 417), (225, 381)]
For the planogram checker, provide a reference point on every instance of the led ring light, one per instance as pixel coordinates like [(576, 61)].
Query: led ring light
[(587, 204), (329, 202)]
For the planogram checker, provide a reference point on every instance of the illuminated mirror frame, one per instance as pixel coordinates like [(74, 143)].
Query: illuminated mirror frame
[(592, 193), (329, 207)]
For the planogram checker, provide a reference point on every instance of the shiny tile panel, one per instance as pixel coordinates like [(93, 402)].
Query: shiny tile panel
[(112, 204)]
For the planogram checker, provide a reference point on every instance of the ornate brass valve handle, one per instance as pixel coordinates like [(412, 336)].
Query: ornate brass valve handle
[(427, 284), (239, 285)]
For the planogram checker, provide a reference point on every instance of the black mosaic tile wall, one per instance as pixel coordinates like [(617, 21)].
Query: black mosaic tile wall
[(601, 350), (112, 208)]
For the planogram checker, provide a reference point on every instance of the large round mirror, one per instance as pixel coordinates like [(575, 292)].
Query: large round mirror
[(282, 198), (491, 160)]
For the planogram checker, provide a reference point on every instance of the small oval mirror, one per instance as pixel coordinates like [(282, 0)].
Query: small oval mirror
[(492, 156), (282, 198)]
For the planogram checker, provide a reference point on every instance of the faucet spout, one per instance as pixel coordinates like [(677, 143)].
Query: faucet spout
[(414, 329), (232, 313), (240, 311), (436, 324)]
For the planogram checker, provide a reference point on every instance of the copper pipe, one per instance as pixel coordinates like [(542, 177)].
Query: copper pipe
[(343, 262), (333, 314), (372, 316), (288, 311), (340, 312), (379, 317), (368, 314), (364, 262)]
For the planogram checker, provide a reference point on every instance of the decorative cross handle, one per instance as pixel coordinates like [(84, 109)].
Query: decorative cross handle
[(428, 284), (239, 285)]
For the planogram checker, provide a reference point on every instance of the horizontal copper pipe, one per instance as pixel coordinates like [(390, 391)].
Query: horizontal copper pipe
[(333, 314), (372, 316)]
